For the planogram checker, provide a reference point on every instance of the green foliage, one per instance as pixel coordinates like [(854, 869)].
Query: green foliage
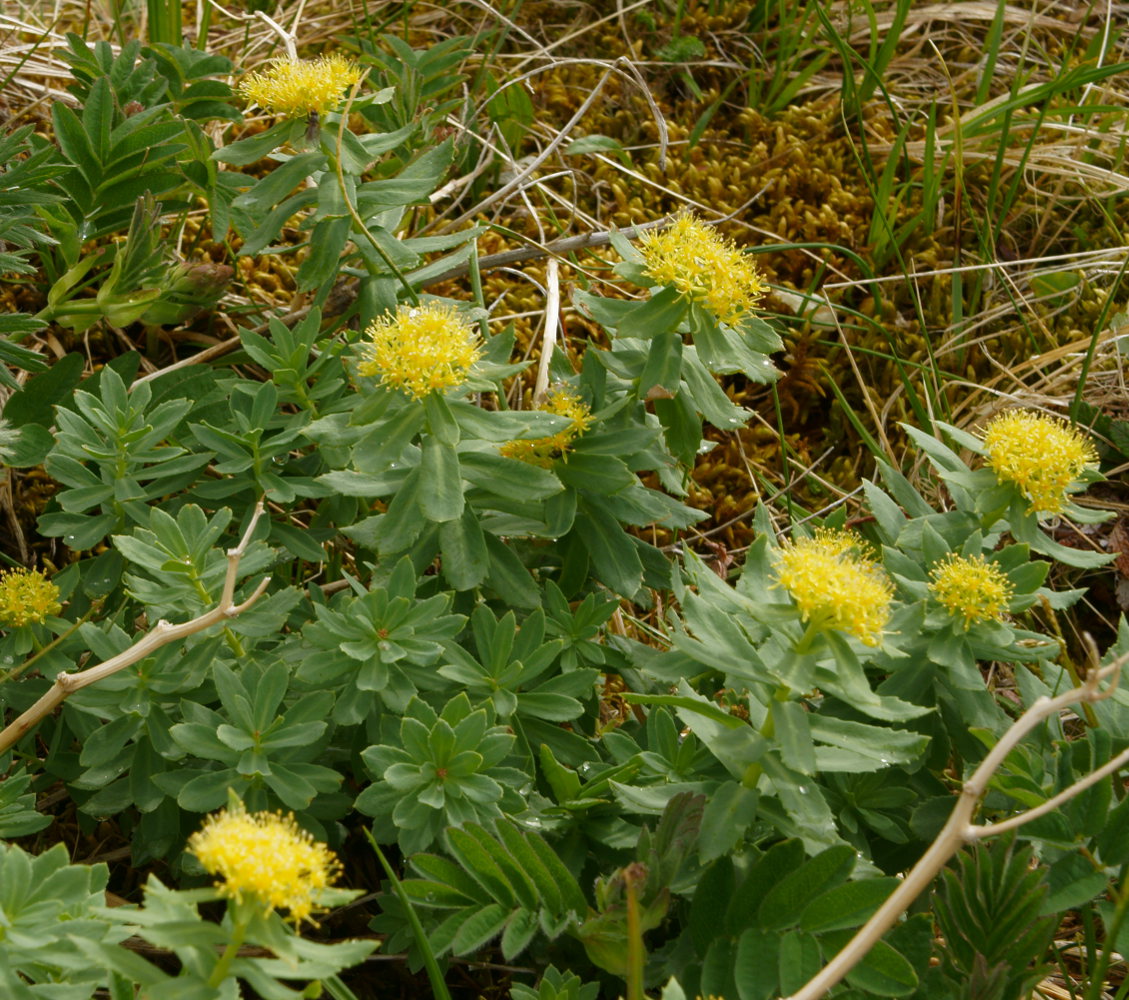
[(447, 768), (451, 640), (24, 175), (764, 930), (111, 455), (49, 914), (509, 883), (18, 815), (556, 985), (380, 644), (169, 919), (990, 913)]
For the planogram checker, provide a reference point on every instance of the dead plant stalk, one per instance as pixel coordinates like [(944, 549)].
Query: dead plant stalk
[(160, 635), (960, 829)]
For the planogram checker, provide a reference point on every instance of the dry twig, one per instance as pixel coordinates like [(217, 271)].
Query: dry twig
[(160, 635), (960, 829)]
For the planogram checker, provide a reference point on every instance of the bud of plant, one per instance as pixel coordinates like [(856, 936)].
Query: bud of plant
[(562, 401), (301, 87), (835, 585), (704, 267), (421, 349), (971, 588), (189, 289), (26, 597), (1042, 456), (266, 857)]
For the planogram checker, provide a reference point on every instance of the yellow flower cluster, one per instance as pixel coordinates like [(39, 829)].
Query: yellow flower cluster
[(421, 349), (297, 87), (267, 857), (835, 585), (26, 597), (971, 587), (1040, 455), (562, 401), (704, 266)]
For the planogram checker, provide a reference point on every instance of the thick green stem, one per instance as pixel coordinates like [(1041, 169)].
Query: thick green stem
[(223, 966), (635, 952)]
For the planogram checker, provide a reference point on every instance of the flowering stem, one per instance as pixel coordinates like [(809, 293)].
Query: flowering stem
[(1113, 929), (803, 645), (768, 730), (358, 222), (239, 932)]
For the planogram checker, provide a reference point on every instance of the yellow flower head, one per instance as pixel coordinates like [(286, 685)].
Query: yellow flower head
[(834, 584), (298, 87), (1041, 455), (971, 587), (421, 349), (704, 266), (265, 856), (26, 597), (562, 401)]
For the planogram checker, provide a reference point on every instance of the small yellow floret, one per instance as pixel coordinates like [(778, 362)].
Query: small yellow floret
[(562, 401), (704, 266), (267, 857), (1041, 455), (835, 585), (421, 349), (26, 597), (972, 588), (297, 87)]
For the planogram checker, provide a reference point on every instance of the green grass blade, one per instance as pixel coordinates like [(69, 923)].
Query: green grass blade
[(434, 973)]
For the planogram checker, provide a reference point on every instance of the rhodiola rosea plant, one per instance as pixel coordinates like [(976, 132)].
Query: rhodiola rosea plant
[(341, 583)]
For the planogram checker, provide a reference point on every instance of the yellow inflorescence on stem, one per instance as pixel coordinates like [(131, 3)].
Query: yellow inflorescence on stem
[(267, 857), (971, 587), (704, 266), (835, 585), (562, 401), (26, 597), (1040, 455), (296, 87), (421, 349)]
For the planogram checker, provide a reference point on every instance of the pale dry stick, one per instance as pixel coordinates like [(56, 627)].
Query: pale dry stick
[(344, 292), (526, 172), (960, 830), (160, 635), (288, 39), (544, 50), (490, 148), (552, 321)]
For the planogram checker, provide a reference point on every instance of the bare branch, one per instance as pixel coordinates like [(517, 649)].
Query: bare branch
[(160, 635), (959, 829), (552, 321)]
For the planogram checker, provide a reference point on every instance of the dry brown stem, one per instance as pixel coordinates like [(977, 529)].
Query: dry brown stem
[(160, 635), (960, 829)]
